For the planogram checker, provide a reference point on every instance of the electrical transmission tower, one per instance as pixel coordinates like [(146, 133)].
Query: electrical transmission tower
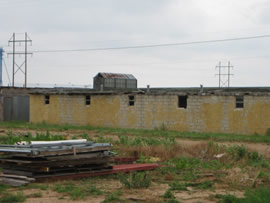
[(224, 74), (15, 67)]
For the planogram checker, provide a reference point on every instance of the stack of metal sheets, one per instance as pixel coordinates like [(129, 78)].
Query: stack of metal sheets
[(52, 158)]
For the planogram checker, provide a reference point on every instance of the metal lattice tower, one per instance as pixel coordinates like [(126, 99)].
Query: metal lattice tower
[(224, 74), (15, 67)]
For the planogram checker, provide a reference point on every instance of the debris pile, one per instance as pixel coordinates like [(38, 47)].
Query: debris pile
[(44, 159)]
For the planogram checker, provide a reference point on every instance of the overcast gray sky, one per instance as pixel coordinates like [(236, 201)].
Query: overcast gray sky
[(79, 24)]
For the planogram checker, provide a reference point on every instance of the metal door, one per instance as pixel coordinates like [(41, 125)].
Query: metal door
[(8, 108), (16, 108)]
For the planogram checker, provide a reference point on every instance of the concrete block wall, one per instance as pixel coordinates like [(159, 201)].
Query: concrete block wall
[(204, 113)]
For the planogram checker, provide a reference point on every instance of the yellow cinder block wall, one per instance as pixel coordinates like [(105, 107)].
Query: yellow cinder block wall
[(210, 113)]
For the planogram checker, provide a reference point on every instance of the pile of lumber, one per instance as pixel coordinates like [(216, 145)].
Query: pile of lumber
[(54, 158)]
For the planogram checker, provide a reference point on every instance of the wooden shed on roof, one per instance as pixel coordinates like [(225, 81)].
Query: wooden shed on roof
[(114, 81)]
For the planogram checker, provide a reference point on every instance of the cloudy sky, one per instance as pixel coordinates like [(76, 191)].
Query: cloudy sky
[(94, 24)]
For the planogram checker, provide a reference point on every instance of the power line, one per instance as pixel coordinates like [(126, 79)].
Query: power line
[(152, 46)]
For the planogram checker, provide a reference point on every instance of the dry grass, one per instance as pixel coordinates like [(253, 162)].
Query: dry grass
[(162, 152), (203, 151)]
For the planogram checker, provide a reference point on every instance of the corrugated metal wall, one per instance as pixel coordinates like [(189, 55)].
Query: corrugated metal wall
[(117, 83), (14, 108)]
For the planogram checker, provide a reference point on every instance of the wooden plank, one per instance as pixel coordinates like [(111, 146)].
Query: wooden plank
[(78, 156), (39, 164), (29, 160), (17, 177), (13, 182), (17, 172)]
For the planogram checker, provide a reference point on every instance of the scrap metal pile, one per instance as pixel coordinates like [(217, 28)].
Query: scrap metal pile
[(44, 159)]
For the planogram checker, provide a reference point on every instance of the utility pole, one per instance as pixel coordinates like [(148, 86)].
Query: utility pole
[(15, 66), (1, 69), (224, 75)]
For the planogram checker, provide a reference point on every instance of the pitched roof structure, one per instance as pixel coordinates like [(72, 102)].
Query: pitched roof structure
[(116, 75)]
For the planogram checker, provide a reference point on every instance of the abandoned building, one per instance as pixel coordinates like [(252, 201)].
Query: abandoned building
[(114, 81), (230, 110)]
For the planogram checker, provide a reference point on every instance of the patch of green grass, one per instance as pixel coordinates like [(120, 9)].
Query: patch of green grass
[(204, 185), (146, 141), (238, 152), (228, 198), (3, 188), (140, 132), (113, 197), (91, 190), (252, 158), (135, 180), (188, 168), (267, 132), (71, 189), (12, 198), (259, 195), (13, 138), (35, 195), (168, 194), (195, 163), (178, 186), (35, 186), (169, 197), (78, 191)]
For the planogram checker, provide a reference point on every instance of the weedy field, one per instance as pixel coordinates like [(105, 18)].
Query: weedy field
[(195, 167)]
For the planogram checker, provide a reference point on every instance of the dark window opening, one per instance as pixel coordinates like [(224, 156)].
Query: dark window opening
[(131, 100), (87, 100), (182, 102), (47, 99), (239, 102)]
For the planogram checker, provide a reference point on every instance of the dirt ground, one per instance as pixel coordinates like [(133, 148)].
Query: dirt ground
[(157, 189)]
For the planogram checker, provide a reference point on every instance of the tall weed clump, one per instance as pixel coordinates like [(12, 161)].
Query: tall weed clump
[(135, 180)]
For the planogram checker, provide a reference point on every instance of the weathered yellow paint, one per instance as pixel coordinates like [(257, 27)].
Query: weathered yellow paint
[(40, 112), (203, 113), (212, 116)]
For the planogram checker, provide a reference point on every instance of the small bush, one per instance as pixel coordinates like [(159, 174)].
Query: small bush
[(168, 194), (135, 180), (228, 199), (255, 156), (238, 152)]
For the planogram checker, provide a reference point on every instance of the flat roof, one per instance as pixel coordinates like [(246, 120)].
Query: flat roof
[(157, 91)]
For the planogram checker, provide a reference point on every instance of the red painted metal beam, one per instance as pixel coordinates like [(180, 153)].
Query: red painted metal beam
[(125, 168)]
